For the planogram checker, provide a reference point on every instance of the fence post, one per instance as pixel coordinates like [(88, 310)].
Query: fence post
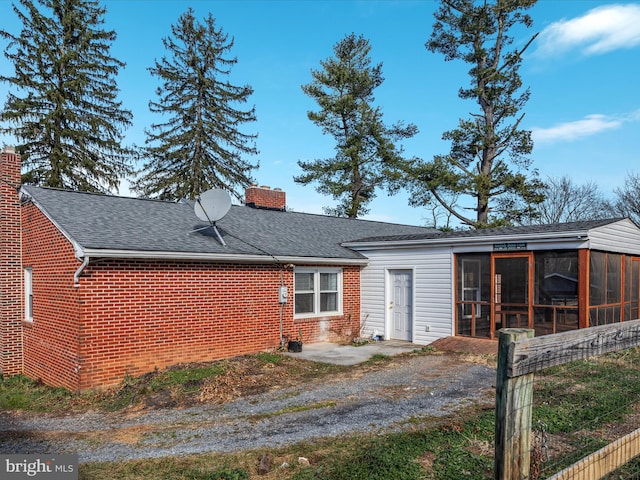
[(514, 397)]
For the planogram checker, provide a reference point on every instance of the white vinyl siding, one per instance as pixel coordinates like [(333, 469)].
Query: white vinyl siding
[(432, 291), (619, 237)]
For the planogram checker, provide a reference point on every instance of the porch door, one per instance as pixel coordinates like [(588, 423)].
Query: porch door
[(511, 291), (401, 304)]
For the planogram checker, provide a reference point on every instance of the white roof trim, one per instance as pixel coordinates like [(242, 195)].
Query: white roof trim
[(96, 253), (77, 248), (570, 236)]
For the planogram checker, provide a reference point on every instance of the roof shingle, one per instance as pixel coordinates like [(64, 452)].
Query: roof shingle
[(105, 222)]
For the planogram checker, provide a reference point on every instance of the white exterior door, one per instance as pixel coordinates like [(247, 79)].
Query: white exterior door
[(401, 304)]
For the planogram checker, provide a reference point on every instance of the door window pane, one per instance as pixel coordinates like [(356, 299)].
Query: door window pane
[(512, 276)]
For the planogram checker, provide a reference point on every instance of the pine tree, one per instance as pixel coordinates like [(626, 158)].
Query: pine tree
[(63, 112), (366, 155), (488, 160), (199, 147)]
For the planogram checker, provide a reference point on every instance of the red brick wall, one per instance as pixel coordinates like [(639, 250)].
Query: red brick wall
[(142, 315), (128, 317), (11, 306), (264, 197), (51, 341)]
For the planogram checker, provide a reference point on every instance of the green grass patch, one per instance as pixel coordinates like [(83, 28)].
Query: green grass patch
[(295, 408), (576, 402), (451, 449), (194, 467), (270, 357), (170, 387), (378, 358), (188, 379), (573, 401), (587, 394), (21, 393), (448, 449)]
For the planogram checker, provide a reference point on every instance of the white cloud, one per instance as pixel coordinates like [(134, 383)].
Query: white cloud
[(570, 131), (600, 30)]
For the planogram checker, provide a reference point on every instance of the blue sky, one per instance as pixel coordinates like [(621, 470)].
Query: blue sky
[(584, 110)]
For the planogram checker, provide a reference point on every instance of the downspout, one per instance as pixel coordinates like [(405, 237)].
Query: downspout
[(76, 276), (281, 305), (76, 284)]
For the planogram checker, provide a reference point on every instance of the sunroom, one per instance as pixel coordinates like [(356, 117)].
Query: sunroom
[(549, 291), (550, 278)]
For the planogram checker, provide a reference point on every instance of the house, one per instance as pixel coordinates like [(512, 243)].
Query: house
[(551, 278), (97, 287)]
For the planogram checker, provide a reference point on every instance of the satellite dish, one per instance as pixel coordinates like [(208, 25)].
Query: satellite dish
[(212, 205)]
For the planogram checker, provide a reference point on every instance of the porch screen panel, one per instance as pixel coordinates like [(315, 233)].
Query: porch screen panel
[(473, 291), (614, 288), (605, 288), (634, 290), (597, 278), (614, 278), (555, 291), (511, 290), (630, 297)]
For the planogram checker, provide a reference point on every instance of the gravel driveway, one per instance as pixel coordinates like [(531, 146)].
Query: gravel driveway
[(415, 386)]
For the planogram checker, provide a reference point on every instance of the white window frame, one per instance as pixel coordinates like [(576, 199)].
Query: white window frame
[(317, 292), (28, 294)]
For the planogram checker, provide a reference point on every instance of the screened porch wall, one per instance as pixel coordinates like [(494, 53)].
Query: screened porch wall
[(473, 285), (613, 292), (613, 288)]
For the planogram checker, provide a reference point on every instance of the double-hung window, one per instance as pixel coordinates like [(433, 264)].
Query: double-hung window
[(318, 291)]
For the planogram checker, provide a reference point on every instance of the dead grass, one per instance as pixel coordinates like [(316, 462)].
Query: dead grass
[(488, 359), (237, 377), (186, 385)]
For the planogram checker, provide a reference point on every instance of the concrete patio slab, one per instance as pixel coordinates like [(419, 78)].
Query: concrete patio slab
[(350, 355)]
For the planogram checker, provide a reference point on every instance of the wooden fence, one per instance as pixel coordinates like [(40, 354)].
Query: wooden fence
[(520, 355)]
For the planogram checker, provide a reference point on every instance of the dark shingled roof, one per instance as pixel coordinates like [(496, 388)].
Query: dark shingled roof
[(525, 230), (107, 222)]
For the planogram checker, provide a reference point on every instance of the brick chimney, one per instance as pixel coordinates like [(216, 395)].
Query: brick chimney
[(265, 197), (11, 311)]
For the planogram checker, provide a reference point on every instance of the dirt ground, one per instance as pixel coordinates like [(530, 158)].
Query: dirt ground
[(476, 346), (256, 403), (245, 376)]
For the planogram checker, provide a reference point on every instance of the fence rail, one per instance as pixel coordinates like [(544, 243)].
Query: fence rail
[(520, 355), (604, 461)]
